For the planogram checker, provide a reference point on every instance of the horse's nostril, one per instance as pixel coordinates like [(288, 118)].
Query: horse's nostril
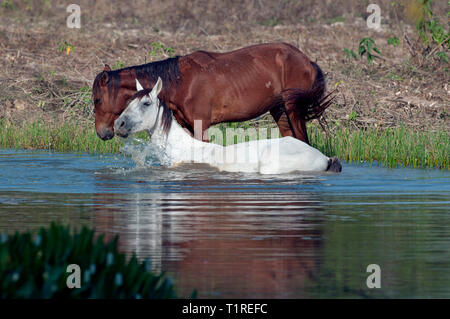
[(122, 124)]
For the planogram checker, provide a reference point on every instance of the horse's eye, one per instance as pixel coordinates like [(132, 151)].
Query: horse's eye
[(146, 103)]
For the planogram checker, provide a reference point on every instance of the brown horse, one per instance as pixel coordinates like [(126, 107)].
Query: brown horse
[(222, 87)]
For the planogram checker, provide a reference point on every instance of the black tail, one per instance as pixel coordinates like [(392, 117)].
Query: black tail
[(311, 104)]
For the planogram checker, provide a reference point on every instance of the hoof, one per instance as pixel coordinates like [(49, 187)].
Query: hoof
[(334, 165)]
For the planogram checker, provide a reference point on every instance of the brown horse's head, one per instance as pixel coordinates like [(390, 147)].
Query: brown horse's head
[(111, 90)]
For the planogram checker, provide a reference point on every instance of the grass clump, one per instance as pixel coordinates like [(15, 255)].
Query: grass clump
[(67, 137), (36, 267), (392, 147)]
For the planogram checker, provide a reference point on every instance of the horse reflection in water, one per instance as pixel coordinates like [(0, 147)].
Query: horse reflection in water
[(248, 244)]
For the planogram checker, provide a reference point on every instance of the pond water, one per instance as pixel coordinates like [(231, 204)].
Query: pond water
[(247, 235)]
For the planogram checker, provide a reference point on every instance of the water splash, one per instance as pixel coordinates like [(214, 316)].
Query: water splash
[(146, 153)]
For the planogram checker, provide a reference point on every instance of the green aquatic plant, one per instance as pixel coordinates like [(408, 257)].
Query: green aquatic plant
[(36, 266)]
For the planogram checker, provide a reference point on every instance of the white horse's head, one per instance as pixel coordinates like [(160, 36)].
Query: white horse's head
[(142, 111)]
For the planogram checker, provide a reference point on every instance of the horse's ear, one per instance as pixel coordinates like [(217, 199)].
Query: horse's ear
[(157, 88), (107, 68), (138, 85), (104, 78)]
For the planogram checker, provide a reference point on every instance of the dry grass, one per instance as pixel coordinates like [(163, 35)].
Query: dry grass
[(39, 82)]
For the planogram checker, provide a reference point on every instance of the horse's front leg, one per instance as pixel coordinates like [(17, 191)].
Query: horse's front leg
[(201, 127)]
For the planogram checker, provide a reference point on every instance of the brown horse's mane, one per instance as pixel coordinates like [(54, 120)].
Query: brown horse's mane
[(167, 115), (168, 70)]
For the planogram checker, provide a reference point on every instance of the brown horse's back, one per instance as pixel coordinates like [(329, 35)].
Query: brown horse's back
[(241, 84)]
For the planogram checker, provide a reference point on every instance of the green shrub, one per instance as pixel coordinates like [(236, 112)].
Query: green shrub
[(367, 47), (432, 33), (394, 41), (349, 53), (160, 50), (119, 65), (430, 29), (36, 267)]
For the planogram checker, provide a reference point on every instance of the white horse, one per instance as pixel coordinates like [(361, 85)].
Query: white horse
[(146, 112)]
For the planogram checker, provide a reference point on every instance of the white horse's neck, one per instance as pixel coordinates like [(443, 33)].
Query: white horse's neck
[(177, 139)]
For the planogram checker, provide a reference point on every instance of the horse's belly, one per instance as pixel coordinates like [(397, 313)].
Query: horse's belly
[(244, 97)]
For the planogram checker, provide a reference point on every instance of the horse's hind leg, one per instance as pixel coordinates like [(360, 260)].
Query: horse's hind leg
[(290, 122), (279, 115), (296, 122)]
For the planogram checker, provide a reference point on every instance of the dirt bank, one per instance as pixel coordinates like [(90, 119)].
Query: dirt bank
[(47, 69)]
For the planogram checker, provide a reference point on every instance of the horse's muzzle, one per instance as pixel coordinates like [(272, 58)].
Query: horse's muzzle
[(121, 127), (105, 134)]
